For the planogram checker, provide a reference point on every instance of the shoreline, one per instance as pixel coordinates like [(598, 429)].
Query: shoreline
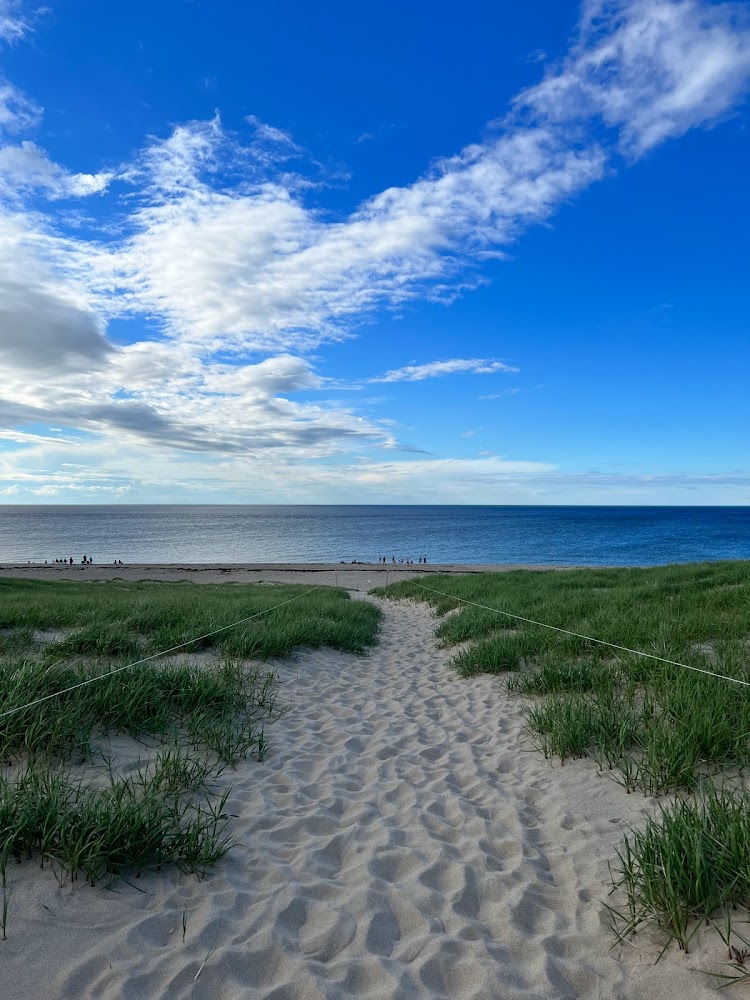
[(350, 576)]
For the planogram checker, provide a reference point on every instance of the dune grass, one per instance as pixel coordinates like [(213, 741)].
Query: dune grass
[(130, 619), (658, 728), (686, 864), (193, 718)]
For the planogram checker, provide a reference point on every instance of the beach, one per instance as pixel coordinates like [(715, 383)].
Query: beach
[(402, 839), (355, 576)]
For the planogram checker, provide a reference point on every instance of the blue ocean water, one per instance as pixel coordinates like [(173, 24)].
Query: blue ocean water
[(234, 534)]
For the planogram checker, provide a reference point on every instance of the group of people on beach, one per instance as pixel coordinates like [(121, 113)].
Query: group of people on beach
[(406, 562), (85, 561)]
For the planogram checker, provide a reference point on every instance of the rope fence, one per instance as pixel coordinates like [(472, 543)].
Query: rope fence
[(579, 635), (154, 656)]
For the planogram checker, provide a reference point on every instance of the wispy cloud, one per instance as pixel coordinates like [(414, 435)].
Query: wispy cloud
[(453, 366), (649, 69), (498, 395), (27, 169), (210, 238), (13, 25), (272, 134), (261, 271), (17, 111)]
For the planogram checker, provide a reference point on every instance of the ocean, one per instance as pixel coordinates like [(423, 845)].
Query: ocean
[(615, 536)]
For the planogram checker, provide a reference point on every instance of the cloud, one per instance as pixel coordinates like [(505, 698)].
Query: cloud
[(169, 396), (47, 323), (211, 240), (272, 134), (27, 168), (17, 111), (43, 333), (221, 245), (454, 366), (652, 69), (247, 261), (12, 25)]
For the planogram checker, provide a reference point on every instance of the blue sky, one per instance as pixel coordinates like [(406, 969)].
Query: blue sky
[(383, 253)]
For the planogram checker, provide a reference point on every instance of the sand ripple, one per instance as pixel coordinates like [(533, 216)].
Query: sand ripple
[(402, 840)]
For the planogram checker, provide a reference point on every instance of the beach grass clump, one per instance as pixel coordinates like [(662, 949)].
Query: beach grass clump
[(557, 675), (680, 609), (100, 833), (96, 639), (221, 706), (686, 864), (69, 660), (497, 653)]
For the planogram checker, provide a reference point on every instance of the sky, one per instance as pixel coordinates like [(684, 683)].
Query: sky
[(374, 253)]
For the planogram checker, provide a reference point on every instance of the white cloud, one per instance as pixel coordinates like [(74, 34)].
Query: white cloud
[(27, 168), (216, 246), (223, 247), (12, 25), (653, 69), (272, 134), (453, 366), (17, 111)]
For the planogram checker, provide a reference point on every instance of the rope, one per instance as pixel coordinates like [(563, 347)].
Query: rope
[(153, 656), (578, 635)]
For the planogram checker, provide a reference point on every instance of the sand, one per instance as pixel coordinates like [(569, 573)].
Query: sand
[(353, 576), (402, 839)]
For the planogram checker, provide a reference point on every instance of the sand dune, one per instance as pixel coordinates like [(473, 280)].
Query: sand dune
[(401, 840)]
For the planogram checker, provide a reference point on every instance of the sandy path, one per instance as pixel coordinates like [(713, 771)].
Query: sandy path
[(402, 840)]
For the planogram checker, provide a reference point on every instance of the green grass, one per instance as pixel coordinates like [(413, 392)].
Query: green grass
[(118, 619), (218, 706), (101, 833), (199, 716), (657, 727), (686, 864)]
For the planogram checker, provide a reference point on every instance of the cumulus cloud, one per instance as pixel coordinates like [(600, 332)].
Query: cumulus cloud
[(44, 333), (47, 322), (453, 366)]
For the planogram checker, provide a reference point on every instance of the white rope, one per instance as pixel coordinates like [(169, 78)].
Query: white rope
[(578, 635), (153, 656)]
